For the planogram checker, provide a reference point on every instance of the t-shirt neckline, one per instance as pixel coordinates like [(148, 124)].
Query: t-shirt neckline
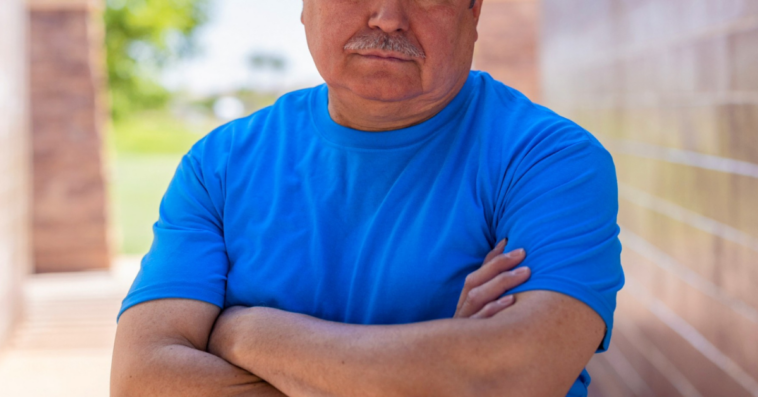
[(339, 135)]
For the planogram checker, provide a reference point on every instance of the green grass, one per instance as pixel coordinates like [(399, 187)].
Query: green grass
[(145, 151), (156, 133), (137, 186)]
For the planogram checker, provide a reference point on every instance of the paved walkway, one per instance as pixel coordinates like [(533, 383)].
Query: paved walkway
[(63, 346)]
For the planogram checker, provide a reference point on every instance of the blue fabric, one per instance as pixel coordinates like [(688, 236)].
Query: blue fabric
[(287, 209)]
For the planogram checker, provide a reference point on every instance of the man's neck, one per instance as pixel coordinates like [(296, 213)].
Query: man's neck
[(353, 111)]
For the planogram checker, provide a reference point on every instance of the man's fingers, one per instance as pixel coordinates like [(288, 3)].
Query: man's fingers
[(499, 247), (495, 307), (496, 251), (480, 296), (495, 266), (491, 268)]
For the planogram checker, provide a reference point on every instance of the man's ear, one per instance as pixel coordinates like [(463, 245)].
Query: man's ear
[(476, 8), (477, 11)]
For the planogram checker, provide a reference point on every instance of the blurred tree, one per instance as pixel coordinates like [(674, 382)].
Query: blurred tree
[(267, 69), (261, 60), (141, 37)]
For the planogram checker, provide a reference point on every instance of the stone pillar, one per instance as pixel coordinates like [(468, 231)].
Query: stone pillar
[(14, 163), (508, 46), (69, 205)]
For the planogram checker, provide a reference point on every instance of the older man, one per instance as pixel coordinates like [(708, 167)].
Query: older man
[(338, 227)]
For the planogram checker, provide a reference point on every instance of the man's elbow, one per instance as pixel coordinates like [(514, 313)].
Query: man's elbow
[(518, 367), (511, 381), (495, 378), (124, 381), (123, 386), (130, 375), (145, 368), (536, 348)]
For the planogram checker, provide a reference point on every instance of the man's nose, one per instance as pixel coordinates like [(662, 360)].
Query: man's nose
[(389, 15)]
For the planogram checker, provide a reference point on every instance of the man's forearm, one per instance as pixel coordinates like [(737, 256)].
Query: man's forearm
[(303, 356), (306, 356), (536, 348)]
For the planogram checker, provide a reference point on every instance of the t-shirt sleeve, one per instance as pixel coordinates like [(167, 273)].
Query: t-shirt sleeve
[(187, 259), (560, 205)]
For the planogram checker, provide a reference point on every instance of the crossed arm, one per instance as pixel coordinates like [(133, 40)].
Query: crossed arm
[(536, 346)]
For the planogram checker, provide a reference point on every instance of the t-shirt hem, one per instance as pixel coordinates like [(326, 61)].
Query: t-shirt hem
[(197, 293)]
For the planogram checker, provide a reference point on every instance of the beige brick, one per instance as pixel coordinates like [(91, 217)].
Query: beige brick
[(508, 44), (680, 78)]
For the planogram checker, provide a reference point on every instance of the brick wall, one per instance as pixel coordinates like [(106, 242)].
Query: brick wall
[(671, 88), (508, 46), (14, 163), (69, 207)]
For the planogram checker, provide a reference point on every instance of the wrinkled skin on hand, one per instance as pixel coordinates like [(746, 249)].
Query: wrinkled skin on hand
[(482, 291)]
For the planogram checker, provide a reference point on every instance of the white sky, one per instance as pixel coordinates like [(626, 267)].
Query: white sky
[(237, 29)]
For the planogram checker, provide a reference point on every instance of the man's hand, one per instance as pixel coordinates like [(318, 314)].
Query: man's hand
[(481, 292)]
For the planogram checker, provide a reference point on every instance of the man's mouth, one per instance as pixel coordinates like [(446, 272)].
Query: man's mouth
[(384, 55)]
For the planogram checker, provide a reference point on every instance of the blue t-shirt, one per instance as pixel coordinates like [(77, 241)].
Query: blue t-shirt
[(288, 209)]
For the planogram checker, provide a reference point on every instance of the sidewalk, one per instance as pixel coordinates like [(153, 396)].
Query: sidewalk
[(62, 348)]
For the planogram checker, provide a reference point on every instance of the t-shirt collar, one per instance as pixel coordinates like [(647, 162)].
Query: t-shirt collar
[(351, 138)]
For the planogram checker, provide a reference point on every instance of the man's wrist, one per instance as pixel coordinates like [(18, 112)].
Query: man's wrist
[(242, 330), (223, 341)]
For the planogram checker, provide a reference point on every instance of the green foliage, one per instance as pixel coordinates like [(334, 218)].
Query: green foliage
[(261, 60), (141, 37)]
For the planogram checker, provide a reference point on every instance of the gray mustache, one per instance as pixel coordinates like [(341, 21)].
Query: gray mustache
[(378, 40)]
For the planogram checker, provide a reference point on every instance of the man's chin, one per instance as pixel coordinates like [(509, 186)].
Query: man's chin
[(389, 89)]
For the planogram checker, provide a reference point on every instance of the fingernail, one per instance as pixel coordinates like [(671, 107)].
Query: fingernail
[(516, 253), (502, 243), (521, 271), (505, 300)]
